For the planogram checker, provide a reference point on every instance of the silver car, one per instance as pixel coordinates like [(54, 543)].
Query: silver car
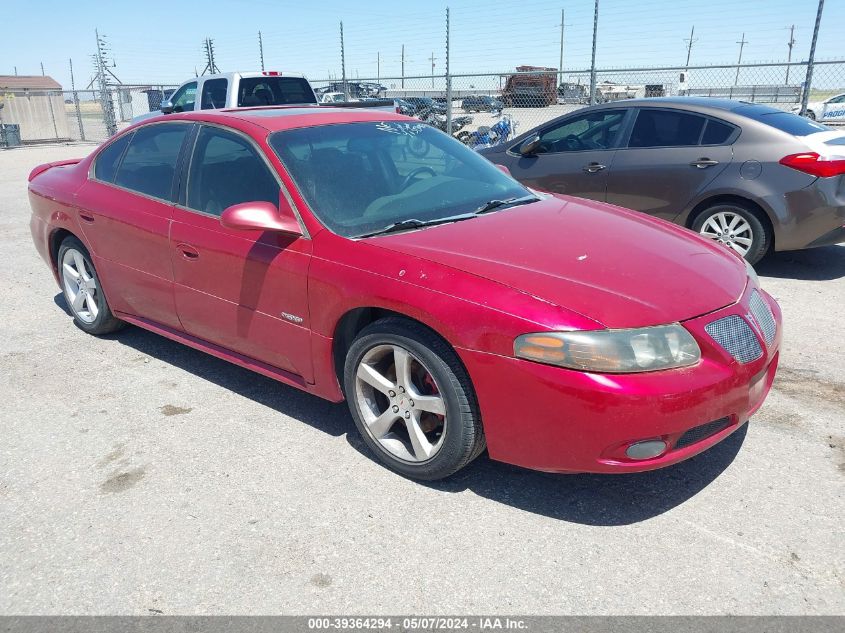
[(750, 176)]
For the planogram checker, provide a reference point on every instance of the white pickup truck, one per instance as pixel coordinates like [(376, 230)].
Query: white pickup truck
[(250, 89)]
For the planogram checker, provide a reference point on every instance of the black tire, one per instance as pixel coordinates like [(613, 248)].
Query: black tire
[(463, 436), (105, 322), (811, 115), (761, 233)]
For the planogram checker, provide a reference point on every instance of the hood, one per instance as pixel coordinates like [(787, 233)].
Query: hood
[(618, 267)]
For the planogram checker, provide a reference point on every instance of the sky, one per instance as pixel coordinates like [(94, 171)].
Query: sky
[(157, 41)]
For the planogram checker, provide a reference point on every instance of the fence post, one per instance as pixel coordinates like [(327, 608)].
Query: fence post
[(808, 81), (76, 103), (593, 63), (448, 81)]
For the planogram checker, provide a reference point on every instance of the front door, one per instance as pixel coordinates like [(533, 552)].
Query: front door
[(574, 156), (670, 157), (242, 290)]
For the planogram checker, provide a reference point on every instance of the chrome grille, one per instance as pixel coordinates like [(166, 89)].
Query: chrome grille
[(736, 336), (763, 315)]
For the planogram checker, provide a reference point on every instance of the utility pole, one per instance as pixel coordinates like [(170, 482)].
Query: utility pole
[(808, 81), (210, 64), (448, 81), (261, 50), (560, 65), (432, 60), (790, 44), (343, 64), (16, 71), (76, 103), (742, 44), (105, 97), (403, 65), (690, 42), (593, 63)]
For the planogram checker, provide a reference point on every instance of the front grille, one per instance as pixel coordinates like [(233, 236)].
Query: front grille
[(698, 433), (736, 336), (763, 315)]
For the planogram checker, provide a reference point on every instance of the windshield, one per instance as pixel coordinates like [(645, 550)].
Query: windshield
[(359, 178)]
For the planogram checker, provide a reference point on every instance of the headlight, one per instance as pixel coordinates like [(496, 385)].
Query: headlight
[(752, 274), (612, 351)]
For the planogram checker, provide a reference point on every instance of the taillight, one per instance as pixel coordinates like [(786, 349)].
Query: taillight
[(815, 164)]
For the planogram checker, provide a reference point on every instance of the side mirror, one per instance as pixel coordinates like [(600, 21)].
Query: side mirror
[(530, 146), (167, 107), (261, 216), (503, 169)]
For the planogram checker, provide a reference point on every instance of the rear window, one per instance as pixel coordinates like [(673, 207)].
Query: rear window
[(780, 120), (716, 132), (109, 158), (270, 91)]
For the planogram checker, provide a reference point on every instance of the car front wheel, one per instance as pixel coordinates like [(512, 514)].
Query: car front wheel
[(82, 291), (412, 400), (737, 226)]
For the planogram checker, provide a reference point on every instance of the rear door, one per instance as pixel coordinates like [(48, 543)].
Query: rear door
[(242, 290), (575, 154), (669, 157)]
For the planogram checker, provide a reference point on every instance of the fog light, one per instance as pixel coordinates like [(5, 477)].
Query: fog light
[(646, 450)]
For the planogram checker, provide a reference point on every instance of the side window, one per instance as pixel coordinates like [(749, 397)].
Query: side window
[(225, 170), (149, 164), (592, 131), (185, 98), (109, 158), (839, 99), (666, 128), (716, 132), (214, 94)]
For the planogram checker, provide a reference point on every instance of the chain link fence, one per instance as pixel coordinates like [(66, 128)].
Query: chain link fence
[(471, 104)]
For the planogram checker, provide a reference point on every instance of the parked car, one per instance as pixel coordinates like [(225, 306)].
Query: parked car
[(403, 107), (248, 90), (750, 176), (830, 110), (425, 104), (451, 307), (482, 104), (332, 97)]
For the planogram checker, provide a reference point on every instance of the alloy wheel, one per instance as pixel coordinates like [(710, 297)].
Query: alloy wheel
[(730, 229), (80, 286), (400, 403)]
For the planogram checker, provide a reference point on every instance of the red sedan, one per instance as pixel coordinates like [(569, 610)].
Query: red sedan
[(365, 256)]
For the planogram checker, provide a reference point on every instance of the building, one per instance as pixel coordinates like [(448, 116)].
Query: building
[(36, 104)]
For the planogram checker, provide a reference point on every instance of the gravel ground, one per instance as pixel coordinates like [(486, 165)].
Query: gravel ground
[(139, 476)]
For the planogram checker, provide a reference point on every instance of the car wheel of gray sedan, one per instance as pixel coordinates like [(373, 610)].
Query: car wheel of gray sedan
[(737, 226), (81, 288), (412, 400)]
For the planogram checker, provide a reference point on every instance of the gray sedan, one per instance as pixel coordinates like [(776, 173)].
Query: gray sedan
[(750, 176)]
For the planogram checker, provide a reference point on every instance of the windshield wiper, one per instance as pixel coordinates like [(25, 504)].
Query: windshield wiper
[(414, 223), (490, 205)]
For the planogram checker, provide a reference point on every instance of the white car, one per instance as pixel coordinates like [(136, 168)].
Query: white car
[(831, 110)]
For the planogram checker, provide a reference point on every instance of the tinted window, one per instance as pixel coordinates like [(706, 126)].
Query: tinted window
[(780, 120), (666, 128), (594, 130), (264, 91), (184, 99), (108, 159), (214, 94), (361, 177), (149, 164), (716, 132), (227, 170)]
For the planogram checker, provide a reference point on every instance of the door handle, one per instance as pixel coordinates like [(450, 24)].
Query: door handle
[(86, 218), (592, 168), (188, 251), (704, 163)]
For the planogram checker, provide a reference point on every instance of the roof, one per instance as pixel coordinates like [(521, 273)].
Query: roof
[(275, 118), (28, 82), (690, 102)]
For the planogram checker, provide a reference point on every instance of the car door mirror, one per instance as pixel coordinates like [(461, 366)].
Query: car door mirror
[(261, 216), (530, 146), (166, 107)]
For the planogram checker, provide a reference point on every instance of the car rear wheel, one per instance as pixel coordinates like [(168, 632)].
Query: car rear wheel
[(82, 291), (811, 115), (412, 400), (738, 227)]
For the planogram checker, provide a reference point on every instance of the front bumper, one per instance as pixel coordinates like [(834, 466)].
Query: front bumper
[(559, 420)]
